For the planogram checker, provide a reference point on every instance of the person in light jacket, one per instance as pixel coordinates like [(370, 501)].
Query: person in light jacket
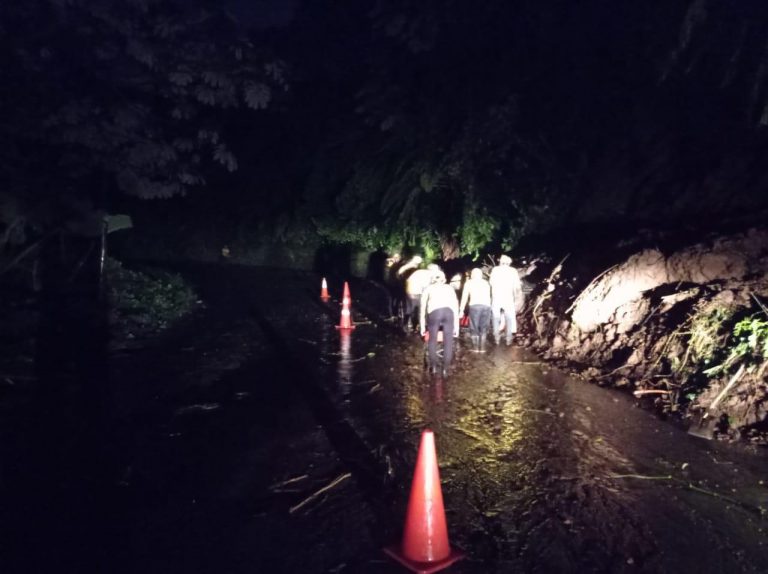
[(477, 293), (505, 283), (439, 308), (414, 284)]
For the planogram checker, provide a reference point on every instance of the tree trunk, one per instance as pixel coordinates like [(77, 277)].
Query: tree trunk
[(61, 491), (449, 247)]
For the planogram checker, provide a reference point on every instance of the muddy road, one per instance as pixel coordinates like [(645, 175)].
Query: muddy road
[(256, 437)]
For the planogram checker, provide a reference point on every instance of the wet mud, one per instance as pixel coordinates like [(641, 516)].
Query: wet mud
[(258, 437)]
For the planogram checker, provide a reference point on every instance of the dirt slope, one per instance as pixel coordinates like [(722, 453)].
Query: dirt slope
[(671, 324)]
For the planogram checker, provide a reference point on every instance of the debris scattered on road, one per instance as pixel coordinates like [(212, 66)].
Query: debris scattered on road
[(314, 495), (202, 407), (279, 485)]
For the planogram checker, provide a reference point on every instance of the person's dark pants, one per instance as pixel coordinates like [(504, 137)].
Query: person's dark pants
[(412, 310), (479, 320), (438, 318), (396, 300)]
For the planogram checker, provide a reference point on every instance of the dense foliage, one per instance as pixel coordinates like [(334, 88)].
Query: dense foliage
[(472, 125), (117, 97), (146, 301), (454, 127)]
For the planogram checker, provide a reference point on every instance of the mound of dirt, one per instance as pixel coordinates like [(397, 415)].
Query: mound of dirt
[(671, 325)]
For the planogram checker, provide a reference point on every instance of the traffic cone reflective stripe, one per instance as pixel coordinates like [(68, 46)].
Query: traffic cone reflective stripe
[(425, 547), (346, 320), (324, 290), (346, 315)]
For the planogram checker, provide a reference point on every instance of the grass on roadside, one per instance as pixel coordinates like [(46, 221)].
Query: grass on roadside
[(147, 301)]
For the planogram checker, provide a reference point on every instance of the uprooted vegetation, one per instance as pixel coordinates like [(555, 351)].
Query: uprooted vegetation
[(685, 330)]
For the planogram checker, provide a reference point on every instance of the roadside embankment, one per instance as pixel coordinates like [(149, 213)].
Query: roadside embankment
[(673, 325)]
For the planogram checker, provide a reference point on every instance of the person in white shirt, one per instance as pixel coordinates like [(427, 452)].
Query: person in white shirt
[(477, 294), (439, 309), (414, 287), (413, 281), (505, 283)]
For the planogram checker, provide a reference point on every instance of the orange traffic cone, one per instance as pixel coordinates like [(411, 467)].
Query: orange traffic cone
[(346, 316), (425, 547), (324, 290)]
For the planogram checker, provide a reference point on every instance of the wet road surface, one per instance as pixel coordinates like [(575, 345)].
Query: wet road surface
[(260, 438), (543, 473)]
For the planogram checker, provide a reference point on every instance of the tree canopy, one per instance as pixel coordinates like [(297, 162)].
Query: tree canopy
[(112, 97), (454, 126), (473, 125)]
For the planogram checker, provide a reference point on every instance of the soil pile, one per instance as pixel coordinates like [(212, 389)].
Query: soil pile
[(672, 324)]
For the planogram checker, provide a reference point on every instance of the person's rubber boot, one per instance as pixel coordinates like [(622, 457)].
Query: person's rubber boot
[(482, 343), (476, 343)]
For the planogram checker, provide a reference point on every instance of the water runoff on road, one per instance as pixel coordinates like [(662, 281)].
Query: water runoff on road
[(542, 472)]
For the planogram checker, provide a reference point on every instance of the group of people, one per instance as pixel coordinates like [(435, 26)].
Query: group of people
[(491, 303)]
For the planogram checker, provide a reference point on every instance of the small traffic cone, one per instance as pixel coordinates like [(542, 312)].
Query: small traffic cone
[(425, 547), (324, 290), (346, 316)]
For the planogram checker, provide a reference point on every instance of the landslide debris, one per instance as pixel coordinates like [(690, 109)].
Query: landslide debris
[(671, 324)]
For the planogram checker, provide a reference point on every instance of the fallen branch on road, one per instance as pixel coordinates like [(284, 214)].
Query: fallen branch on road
[(314, 495), (274, 487)]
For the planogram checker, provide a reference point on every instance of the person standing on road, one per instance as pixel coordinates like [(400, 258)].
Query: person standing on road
[(415, 283), (505, 285), (477, 293), (439, 309), (395, 286), (408, 305)]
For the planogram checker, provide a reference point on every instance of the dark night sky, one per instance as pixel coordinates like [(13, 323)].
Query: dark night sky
[(263, 13)]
